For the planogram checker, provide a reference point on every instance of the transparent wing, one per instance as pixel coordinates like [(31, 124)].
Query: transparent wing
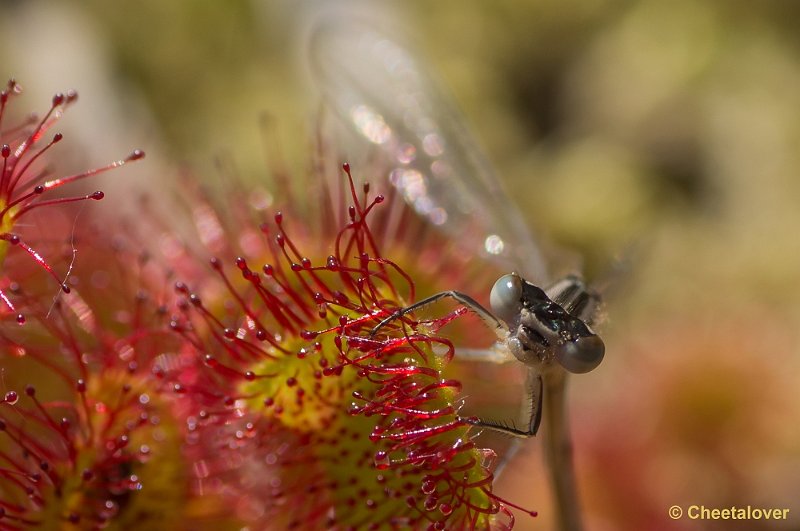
[(383, 94)]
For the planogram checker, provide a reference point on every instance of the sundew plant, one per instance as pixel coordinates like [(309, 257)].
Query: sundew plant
[(230, 378)]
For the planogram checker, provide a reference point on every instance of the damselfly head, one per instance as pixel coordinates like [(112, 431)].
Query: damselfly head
[(541, 329)]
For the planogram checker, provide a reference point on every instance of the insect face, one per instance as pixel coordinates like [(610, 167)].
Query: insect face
[(540, 330)]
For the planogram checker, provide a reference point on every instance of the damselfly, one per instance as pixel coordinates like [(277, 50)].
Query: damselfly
[(384, 95)]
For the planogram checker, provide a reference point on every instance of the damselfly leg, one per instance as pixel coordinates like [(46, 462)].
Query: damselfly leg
[(459, 297)]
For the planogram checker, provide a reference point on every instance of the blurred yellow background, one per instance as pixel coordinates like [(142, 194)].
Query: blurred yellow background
[(660, 141)]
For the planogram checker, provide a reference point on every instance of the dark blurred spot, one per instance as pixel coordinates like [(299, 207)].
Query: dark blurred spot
[(536, 94), (680, 173)]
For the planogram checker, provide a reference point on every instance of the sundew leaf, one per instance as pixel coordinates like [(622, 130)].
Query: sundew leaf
[(345, 427)]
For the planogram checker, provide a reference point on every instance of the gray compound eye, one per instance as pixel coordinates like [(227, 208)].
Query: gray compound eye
[(581, 355), (506, 298)]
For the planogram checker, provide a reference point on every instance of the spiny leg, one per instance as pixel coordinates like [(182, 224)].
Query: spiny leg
[(497, 354), (462, 298), (534, 392)]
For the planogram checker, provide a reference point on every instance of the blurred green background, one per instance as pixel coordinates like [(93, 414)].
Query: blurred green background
[(660, 141)]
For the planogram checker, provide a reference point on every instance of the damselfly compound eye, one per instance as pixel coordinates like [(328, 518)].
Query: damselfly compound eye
[(506, 298), (582, 355)]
